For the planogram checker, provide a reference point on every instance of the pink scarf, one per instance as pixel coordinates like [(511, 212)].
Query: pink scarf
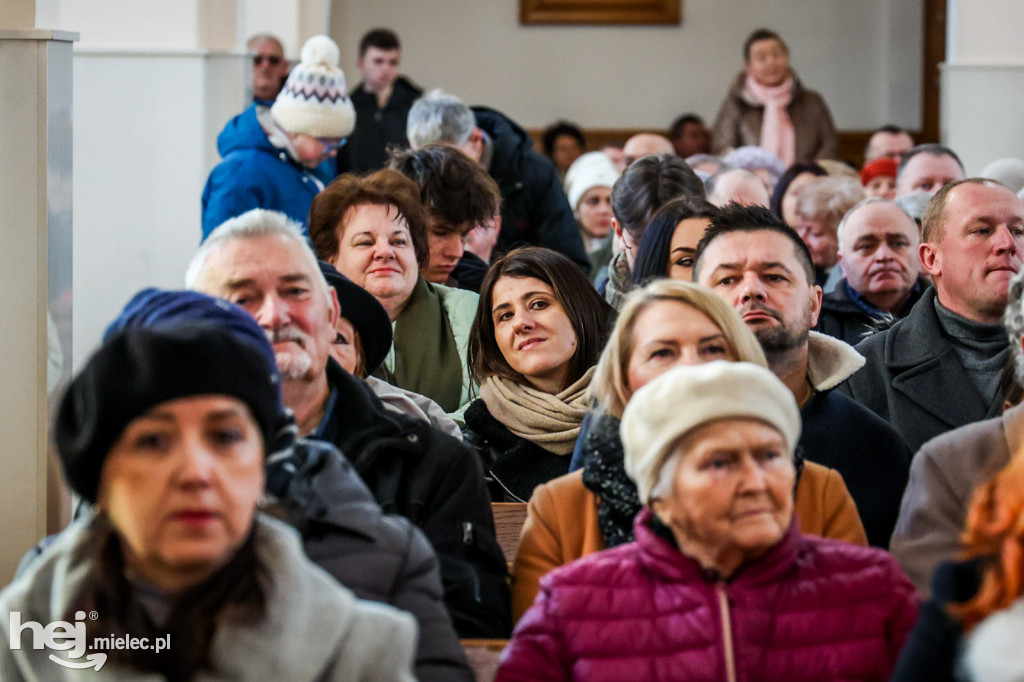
[(777, 135)]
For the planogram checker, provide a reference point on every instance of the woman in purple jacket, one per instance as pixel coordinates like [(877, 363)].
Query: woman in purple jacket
[(720, 584)]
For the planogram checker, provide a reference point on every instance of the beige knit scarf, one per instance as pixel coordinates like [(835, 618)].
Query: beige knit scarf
[(549, 421)]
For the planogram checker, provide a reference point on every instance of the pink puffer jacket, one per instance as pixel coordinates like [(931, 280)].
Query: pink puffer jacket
[(807, 610)]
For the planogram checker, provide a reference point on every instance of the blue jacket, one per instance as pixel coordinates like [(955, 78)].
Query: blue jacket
[(256, 174)]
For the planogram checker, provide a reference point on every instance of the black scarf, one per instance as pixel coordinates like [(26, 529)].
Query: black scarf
[(604, 474)]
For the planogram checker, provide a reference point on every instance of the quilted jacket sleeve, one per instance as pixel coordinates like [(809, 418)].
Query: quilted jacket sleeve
[(904, 611), (537, 650)]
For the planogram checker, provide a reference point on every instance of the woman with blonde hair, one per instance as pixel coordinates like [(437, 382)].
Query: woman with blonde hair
[(666, 324)]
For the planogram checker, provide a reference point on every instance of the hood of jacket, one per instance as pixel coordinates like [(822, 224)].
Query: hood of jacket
[(830, 361), (509, 143), (308, 615), (245, 132), (739, 90)]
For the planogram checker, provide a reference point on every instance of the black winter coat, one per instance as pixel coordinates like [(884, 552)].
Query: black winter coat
[(380, 557), (515, 465), (534, 208), (914, 379), (935, 644), (434, 481), (377, 129), (841, 318), (871, 457)]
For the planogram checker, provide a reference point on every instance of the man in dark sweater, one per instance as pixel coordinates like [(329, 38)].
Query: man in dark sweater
[(763, 270), (878, 243), (382, 101), (939, 368)]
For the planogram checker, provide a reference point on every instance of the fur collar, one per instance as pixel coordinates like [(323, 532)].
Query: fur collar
[(830, 361)]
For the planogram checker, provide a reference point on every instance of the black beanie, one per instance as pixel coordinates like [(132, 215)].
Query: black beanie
[(140, 368)]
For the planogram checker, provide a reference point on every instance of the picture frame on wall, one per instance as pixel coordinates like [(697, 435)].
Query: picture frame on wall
[(598, 12)]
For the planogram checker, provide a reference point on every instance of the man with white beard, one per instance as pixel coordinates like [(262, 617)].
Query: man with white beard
[(261, 262)]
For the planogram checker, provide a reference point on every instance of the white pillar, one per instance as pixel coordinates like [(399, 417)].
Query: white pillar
[(982, 80), (35, 229)]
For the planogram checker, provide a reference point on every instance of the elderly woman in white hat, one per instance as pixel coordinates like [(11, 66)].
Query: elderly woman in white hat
[(720, 583)]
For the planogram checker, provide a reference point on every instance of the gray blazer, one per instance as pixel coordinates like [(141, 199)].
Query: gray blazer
[(943, 475)]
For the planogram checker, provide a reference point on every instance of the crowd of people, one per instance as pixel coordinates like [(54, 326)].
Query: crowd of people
[(762, 408)]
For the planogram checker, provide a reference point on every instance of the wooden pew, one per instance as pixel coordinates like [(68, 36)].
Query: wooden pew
[(483, 656), (509, 518)]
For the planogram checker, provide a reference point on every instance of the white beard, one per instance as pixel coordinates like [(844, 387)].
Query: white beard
[(293, 364)]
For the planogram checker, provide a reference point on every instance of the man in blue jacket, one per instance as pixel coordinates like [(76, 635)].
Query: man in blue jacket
[(280, 157)]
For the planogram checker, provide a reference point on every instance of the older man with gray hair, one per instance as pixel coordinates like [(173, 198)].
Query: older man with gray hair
[(262, 262), (878, 244), (534, 210), (948, 468)]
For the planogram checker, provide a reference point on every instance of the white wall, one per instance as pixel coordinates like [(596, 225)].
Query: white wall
[(864, 56), (982, 81)]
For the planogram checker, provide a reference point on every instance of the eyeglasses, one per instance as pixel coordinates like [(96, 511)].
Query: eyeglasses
[(271, 59), (331, 144)]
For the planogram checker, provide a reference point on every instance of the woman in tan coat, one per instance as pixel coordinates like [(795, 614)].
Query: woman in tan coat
[(665, 324)]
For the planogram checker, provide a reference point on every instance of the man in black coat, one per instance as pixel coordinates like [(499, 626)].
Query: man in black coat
[(534, 209), (382, 101), (762, 268), (939, 368), (261, 262), (878, 243)]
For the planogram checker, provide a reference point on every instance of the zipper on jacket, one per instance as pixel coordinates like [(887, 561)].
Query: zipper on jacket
[(723, 608)]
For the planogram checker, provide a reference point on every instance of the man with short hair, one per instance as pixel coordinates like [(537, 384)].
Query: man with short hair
[(951, 343), (878, 244), (646, 144), (269, 67), (689, 136), (534, 208), (461, 197), (762, 268), (382, 101), (927, 168), (262, 262), (889, 141), (948, 468)]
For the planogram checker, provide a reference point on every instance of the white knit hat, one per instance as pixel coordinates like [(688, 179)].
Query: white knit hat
[(314, 100), (682, 399), (593, 169)]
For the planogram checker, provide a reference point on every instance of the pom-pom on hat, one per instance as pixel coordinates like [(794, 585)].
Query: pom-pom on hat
[(879, 168), (314, 100), (680, 400), (138, 369)]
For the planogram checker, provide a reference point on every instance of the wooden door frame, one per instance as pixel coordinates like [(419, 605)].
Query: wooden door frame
[(934, 54)]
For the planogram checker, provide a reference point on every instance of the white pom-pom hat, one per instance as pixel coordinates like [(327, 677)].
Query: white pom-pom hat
[(314, 100)]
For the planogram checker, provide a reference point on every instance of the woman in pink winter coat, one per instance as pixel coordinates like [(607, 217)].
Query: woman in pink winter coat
[(720, 584)]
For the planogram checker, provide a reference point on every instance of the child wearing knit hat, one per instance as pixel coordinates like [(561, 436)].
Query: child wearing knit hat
[(280, 157)]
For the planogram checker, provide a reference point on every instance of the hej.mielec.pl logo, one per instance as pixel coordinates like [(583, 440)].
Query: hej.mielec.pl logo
[(71, 637)]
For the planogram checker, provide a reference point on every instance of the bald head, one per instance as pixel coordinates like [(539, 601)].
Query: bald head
[(646, 144), (740, 186)]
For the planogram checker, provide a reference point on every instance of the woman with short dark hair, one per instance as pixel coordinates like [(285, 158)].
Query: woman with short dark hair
[(536, 337), (373, 230)]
